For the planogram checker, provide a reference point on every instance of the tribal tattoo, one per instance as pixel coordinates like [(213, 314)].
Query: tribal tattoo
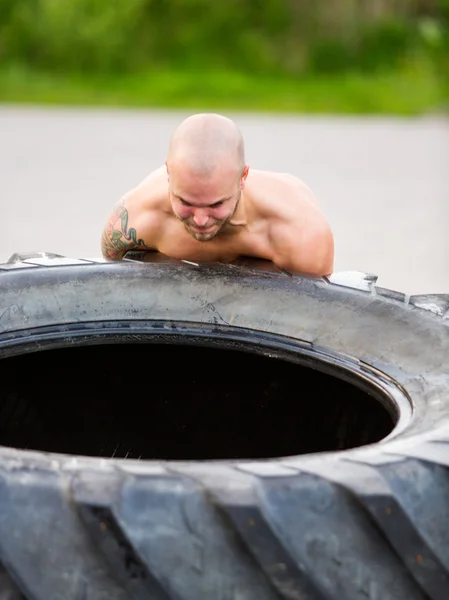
[(117, 239)]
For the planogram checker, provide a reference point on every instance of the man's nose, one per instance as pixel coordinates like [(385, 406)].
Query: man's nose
[(200, 218)]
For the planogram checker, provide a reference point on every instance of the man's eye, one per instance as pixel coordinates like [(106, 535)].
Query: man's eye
[(217, 204), (184, 203)]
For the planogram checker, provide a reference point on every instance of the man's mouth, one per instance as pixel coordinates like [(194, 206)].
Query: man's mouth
[(196, 228)]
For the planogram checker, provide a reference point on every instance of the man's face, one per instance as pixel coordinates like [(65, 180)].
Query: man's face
[(204, 203)]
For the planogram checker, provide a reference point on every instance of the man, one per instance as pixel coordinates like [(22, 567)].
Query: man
[(205, 204)]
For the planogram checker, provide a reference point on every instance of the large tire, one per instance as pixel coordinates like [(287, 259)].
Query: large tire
[(341, 521)]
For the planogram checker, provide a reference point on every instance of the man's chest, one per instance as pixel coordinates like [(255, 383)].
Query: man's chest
[(211, 251), (178, 243)]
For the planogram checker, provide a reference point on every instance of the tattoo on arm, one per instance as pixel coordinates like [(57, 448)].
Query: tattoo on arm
[(117, 239)]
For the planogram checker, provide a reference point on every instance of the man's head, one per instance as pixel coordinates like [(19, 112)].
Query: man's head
[(206, 173)]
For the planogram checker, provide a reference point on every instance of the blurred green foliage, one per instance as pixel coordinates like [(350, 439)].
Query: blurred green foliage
[(290, 38)]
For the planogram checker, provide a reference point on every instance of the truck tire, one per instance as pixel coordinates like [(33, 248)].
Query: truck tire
[(170, 430)]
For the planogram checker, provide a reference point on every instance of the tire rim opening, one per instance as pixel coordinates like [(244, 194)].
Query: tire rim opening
[(187, 398)]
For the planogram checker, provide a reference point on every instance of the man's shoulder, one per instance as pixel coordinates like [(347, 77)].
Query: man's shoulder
[(146, 204), (281, 194), (287, 204), (275, 176), (151, 193)]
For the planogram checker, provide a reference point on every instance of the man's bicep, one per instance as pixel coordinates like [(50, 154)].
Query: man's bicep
[(308, 252), (119, 236)]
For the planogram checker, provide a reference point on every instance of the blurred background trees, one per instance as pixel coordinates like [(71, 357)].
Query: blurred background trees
[(291, 38)]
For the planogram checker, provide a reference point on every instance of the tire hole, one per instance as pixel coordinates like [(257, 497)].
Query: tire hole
[(180, 402)]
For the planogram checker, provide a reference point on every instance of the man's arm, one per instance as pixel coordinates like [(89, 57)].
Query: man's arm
[(306, 249), (119, 237)]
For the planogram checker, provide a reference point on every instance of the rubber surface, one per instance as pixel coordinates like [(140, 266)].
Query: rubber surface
[(367, 523)]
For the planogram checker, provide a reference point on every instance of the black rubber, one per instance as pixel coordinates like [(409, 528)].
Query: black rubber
[(293, 433)]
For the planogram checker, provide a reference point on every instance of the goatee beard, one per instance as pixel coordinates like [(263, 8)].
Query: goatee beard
[(202, 237)]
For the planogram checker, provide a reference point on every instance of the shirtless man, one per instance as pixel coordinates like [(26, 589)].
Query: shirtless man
[(205, 204)]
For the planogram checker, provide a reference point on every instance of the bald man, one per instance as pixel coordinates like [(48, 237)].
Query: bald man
[(205, 204)]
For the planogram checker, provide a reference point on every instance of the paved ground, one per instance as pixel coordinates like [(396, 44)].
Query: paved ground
[(383, 183)]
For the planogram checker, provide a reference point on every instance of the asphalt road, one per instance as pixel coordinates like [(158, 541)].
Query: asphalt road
[(383, 183)]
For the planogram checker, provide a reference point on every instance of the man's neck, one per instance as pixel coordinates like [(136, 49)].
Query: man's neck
[(239, 218)]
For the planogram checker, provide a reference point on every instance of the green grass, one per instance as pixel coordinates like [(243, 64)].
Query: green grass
[(411, 92)]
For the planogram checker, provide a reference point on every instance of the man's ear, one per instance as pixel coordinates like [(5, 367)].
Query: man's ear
[(244, 176)]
